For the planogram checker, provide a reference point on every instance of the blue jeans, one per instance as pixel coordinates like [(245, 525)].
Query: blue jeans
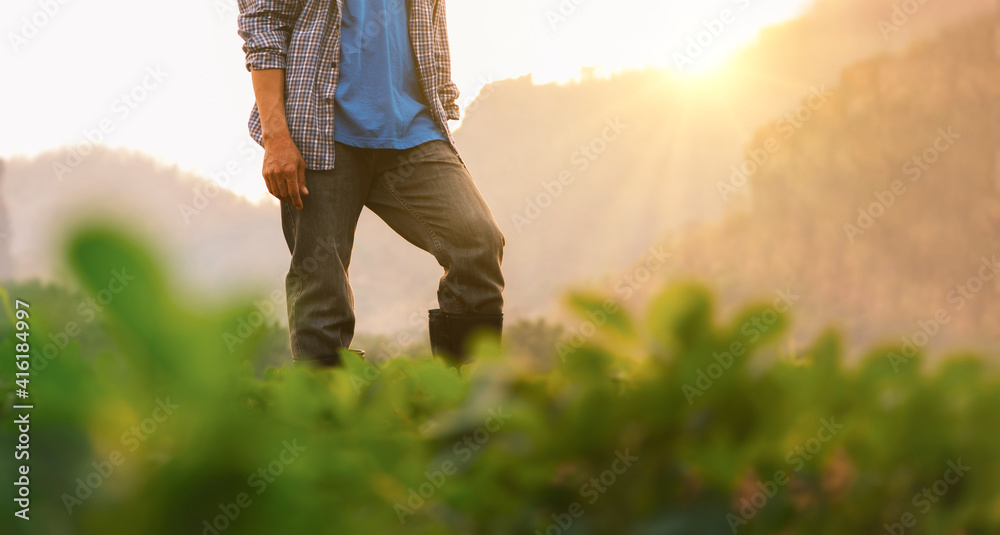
[(427, 196)]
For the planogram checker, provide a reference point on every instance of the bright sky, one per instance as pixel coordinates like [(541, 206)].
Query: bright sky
[(72, 68)]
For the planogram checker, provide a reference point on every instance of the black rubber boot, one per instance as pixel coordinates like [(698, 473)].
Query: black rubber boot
[(327, 361), (451, 333)]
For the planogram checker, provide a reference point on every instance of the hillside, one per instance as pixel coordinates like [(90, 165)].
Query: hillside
[(676, 138), (882, 212), (681, 425)]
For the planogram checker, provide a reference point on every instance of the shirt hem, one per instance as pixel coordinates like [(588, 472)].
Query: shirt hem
[(388, 143)]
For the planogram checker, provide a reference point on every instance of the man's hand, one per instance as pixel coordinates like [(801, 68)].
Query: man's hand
[(285, 171)]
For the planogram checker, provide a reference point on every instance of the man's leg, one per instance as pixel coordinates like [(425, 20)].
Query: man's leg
[(427, 195), (320, 238)]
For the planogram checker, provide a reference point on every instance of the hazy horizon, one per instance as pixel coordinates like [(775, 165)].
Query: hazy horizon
[(196, 82)]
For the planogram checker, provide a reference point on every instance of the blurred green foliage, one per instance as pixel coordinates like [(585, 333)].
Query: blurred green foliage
[(673, 423)]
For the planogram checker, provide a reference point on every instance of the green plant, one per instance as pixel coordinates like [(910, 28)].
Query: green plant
[(671, 423)]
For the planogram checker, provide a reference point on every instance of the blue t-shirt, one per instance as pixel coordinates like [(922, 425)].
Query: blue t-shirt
[(379, 103)]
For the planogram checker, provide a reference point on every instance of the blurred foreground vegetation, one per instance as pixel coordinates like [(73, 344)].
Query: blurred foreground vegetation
[(677, 422)]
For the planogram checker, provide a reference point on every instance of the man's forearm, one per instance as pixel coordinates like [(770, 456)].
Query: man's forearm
[(269, 90)]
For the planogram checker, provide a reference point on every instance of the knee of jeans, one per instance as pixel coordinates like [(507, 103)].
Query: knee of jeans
[(493, 239)]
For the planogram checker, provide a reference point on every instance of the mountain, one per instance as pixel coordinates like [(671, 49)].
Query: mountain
[(684, 135), (640, 156), (881, 213), (209, 247)]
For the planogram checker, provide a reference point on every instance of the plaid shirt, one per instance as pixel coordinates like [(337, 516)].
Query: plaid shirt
[(303, 37)]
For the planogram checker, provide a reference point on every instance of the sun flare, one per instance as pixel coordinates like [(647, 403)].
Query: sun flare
[(552, 40)]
